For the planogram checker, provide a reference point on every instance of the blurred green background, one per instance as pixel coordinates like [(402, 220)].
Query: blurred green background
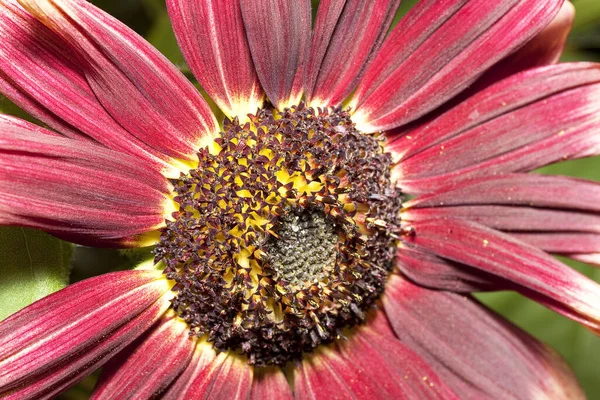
[(579, 347)]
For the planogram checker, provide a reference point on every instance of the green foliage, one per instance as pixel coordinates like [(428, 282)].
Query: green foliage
[(33, 264)]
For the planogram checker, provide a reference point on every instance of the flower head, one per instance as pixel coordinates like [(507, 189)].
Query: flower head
[(321, 241)]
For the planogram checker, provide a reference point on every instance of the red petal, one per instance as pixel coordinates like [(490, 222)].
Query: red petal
[(531, 271), (40, 74), (77, 190), (347, 34), (150, 365), (514, 218), (212, 38), (544, 49), (563, 243), (67, 335), (137, 85), (224, 376), (518, 140), (437, 50), (548, 191), (270, 384), (279, 35), (506, 96), (474, 351), (434, 272), (368, 366)]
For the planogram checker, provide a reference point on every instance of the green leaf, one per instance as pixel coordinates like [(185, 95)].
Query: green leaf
[(33, 264), (587, 13)]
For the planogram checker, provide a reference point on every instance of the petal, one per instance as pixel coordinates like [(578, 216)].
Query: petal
[(212, 38), (514, 217), (67, 335), (474, 351), (434, 272), (368, 366), (346, 36), (225, 376), (544, 49), (516, 138), (547, 191), (504, 97), (437, 50), (563, 243), (39, 73), (528, 270), (137, 85), (520, 205), (150, 365), (279, 35), (269, 383), (77, 190)]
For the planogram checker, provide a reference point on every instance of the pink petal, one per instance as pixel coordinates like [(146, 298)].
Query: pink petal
[(137, 85), (225, 376), (269, 383), (544, 49), (67, 335), (531, 271), (437, 50), (279, 35), (150, 365), (369, 366), (474, 351), (212, 38), (347, 35), (39, 72), (77, 190)]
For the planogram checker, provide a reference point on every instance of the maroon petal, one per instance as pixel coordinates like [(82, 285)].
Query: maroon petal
[(437, 50), (563, 243), (212, 38), (515, 138), (500, 100), (269, 383), (429, 270), (346, 36), (39, 73), (514, 218), (77, 190), (223, 376), (532, 190), (279, 35), (137, 85), (369, 366), (150, 365), (65, 336), (475, 352), (529, 270), (544, 49)]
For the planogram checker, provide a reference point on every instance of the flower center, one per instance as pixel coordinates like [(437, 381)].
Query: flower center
[(285, 233), (305, 249)]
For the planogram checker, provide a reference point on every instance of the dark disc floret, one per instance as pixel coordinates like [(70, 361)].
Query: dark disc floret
[(285, 234)]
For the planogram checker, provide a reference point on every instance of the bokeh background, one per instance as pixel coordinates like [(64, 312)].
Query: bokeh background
[(45, 257)]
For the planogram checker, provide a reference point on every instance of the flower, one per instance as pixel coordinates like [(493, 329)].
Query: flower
[(289, 262)]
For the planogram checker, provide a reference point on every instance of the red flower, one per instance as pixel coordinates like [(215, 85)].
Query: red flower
[(286, 228)]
